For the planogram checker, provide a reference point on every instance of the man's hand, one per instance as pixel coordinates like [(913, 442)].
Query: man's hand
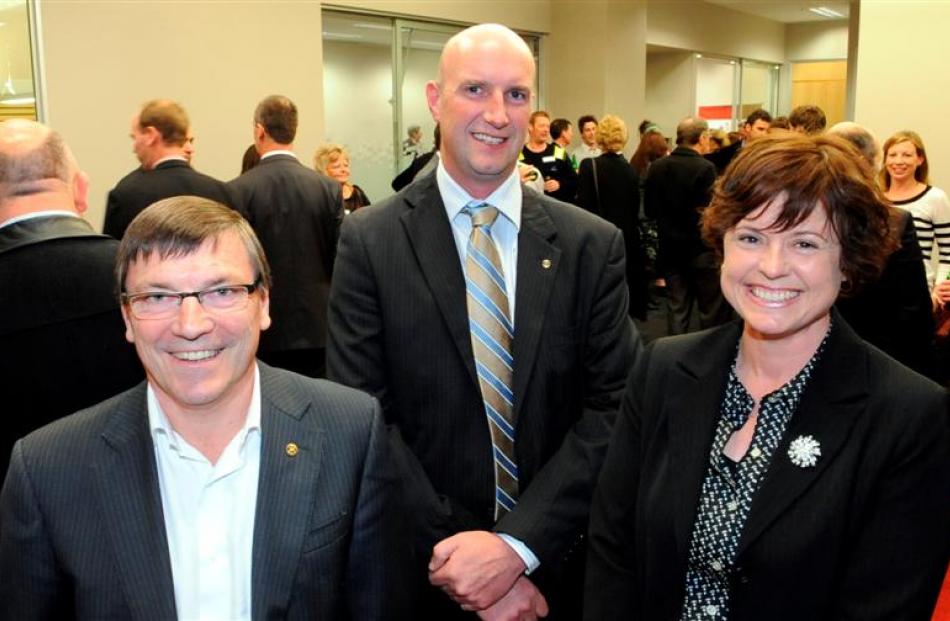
[(523, 602), (475, 568), (551, 185)]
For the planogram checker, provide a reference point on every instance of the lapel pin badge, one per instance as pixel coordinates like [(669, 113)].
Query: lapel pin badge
[(546, 264), (804, 451), (291, 449)]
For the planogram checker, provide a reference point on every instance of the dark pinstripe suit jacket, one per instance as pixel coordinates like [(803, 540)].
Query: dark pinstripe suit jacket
[(82, 533), (399, 330)]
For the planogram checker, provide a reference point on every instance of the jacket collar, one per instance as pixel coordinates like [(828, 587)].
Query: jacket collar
[(38, 230)]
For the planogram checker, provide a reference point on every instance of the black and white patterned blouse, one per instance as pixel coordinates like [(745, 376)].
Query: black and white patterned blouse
[(729, 487)]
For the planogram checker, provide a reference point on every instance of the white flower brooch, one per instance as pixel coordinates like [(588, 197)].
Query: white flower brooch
[(804, 451)]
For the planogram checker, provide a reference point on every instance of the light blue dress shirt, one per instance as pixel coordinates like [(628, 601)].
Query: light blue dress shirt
[(507, 200)]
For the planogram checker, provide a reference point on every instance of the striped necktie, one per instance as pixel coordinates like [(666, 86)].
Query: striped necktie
[(492, 335)]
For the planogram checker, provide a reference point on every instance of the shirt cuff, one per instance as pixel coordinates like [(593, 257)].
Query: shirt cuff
[(531, 561)]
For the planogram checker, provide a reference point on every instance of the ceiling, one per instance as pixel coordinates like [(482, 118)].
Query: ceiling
[(787, 11)]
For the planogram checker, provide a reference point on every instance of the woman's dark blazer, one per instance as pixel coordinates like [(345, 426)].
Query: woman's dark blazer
[(616, 198), (865, 534)]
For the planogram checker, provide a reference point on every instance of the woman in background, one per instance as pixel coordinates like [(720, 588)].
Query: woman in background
[(608, 187), (778, 467), (653, 145), (333, 161), (904, 179)]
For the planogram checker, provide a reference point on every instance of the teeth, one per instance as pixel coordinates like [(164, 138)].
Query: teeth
[(196, 355), (773, 296), (487, 139)]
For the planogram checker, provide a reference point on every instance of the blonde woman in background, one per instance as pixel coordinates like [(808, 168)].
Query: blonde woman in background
[(333, 161)]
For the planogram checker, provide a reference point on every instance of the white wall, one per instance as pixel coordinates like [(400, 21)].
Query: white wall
[(817, 41), (103, 59), (902, 78), (671, 89), (596, 62), (712, 29)]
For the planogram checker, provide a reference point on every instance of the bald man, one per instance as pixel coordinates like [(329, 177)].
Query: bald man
[(491, 324), (60, 325)]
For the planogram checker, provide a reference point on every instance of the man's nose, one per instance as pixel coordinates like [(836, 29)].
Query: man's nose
[(192, 319), (495, 111)]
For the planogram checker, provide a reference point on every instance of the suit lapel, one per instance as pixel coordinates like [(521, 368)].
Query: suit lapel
[(285, 494), (127, 487), (695, 392), (827, 412), (433, 243), (538, 263)]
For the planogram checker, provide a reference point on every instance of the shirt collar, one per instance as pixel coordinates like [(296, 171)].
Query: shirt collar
[(158, 421), (38, 214), (170, 158), (278, 152), (506, 198)]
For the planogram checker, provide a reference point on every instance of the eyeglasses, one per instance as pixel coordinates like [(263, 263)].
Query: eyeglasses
[(165, 304)]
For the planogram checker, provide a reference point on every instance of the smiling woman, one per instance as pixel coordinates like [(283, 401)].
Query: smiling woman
[(779, 467)]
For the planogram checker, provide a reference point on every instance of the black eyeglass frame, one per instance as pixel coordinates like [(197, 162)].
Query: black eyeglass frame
[(129, 298)]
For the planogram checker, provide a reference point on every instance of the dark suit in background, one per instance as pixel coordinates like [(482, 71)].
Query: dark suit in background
[(140, 188), (63, 340), (676, 189), (399, 329), (895, 313), (861, 535), (296, 213), (615, 196), (83, 534)]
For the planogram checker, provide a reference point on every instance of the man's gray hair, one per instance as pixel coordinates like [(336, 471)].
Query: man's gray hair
[(861, 138), (690, 130)]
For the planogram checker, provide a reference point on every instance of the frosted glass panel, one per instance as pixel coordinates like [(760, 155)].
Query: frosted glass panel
[(17, 93)]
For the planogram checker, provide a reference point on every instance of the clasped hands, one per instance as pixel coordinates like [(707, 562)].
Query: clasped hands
[(482, 573)]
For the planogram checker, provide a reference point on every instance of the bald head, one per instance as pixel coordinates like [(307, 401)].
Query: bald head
[(481, 101), (36, 166), (482, 38), (861, 138)]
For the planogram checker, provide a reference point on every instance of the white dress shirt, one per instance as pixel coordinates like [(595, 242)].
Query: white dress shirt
[(507, 200), (38, 214), (209, 515)]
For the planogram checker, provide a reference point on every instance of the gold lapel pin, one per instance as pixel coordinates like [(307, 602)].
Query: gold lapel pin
[(291, 449), (546, 264)]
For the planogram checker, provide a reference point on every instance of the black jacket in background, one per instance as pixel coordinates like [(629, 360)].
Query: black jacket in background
[(140, 188), (63, 340), (296, 213)]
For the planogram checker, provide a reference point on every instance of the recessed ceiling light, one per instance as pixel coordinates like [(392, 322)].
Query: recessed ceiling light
[(825, 12)]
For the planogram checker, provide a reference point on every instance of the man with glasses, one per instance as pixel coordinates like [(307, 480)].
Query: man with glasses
[(219, 488)]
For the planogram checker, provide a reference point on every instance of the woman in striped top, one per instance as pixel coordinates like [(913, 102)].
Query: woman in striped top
[(905, 182)]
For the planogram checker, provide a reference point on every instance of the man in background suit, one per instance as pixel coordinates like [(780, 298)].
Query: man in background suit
[(296, 213), (219, 488), (499, 438), (163, 142), (60, 326), (756, 125), (677, 187)]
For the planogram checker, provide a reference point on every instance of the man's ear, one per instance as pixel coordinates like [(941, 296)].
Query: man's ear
[(129, 334), (80, 190), (152, 134), (265, 308), (432, 98)]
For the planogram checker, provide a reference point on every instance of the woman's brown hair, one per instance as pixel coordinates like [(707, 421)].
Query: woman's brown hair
[(808, 171)]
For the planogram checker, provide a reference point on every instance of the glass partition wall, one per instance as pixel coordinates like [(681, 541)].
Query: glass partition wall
[(18, 93), (374, 73)]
